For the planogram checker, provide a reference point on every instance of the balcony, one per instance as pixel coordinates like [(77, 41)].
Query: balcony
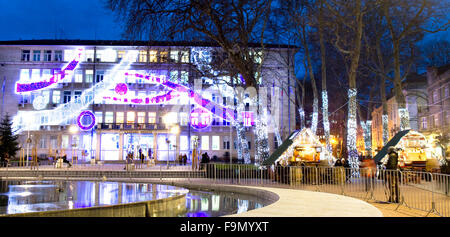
[(131, 126)]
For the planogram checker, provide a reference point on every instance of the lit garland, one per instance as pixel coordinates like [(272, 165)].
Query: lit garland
[(302, 117), (385, 124), (31, 120), (352, 131), (326, 123), (367, 133), (404, 119), (315, 116)]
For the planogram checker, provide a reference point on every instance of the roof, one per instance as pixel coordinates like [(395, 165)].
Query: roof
[(279, 151), (393, 142), (127, 43)]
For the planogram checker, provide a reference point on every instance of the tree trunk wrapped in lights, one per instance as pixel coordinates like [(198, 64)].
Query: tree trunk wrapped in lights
[(385, 120), (326, 123), (352, 131), (367, 133)]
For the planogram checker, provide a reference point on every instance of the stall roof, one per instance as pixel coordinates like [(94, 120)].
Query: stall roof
[(393, 142), (284, 146)]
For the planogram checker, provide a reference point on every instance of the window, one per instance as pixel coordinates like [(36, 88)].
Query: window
[(184, 143), (185, 56), (67, 95), (205, 142), (78, 76), (98, 117), (65, 141), (184, 77), (99, 76), (46, 74), (47, 55), (36, 55), (173, 76), (120, 55), (131, 117), (25, 55), (109, 117), (153, 58), (226, 143), (35, 74), (141, 117), (56, 97), (446, 91), (77, 96), (193, 139), (89, 75), (108, 55), (24, 74), (89, 55), (163, 55), (170, 118), (151, 117), (174, 55), (435, 96), (184, 119), (58, 55), (215, 143), (68, 55), (143, 56), (436, 120), (275, 142), (119, 117)]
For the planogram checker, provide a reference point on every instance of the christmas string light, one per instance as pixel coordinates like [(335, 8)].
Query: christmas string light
[(404, 119), (326, 123), (315, 117), (352, 131), (385, 124)]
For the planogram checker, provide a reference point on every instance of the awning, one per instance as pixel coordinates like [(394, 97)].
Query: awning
[(393, 142), (279, 151)]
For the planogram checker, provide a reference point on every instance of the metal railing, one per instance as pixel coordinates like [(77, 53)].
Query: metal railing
[(428, 192)]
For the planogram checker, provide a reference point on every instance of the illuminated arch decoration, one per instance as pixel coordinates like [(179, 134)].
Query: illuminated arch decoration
[(59, 77), (31, 120), (40, 102), (86, 120), (145, 100), (200, 118)]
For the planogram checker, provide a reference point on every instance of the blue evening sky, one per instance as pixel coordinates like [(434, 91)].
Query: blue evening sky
[(57, 19)]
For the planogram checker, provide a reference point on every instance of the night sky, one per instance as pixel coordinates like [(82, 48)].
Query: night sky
[(57, 19)]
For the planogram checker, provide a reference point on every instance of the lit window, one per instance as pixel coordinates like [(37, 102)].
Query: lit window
[(185, 56), (130, 117), (56, 97), (173, 76), (170, 118), (184, 77), (119, 117), (163, 55), (109, 117), (184, 118), (215, 143), (68, 55), (25, 55), (46, 74), (35, 74), (174, 55), (77, 96), (24, 74), (205, 143), (153, 58), (151, 117), (108, 55), (65, 141), (193, 139), (89, 76), (36, 55), (183, 143), (141, 117), (120, 55), (78, 76), (99, 117), (143, 56)]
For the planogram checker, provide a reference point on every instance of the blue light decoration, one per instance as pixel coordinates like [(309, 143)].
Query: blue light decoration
[(86, 116), (200, 118), (59, 77)]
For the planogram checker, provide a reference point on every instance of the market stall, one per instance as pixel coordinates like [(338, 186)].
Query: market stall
[(414, 150)]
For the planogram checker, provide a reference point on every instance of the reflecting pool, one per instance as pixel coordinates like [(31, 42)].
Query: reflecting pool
[(33, 196)]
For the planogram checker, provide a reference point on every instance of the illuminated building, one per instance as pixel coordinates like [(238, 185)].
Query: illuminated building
[(124, 96)]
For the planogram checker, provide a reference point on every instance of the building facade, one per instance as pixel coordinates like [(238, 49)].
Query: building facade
[(435, 120), (415, 91), (105, 99)]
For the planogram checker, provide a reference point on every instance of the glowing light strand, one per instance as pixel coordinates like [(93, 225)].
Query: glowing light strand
[(351, 132)]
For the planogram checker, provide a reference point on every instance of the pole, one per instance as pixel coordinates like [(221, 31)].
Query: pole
[(28, 147)]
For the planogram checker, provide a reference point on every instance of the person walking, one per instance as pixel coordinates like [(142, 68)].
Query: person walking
[(392, 175)]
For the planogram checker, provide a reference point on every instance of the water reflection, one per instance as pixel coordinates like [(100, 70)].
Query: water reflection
[(32, 196)]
